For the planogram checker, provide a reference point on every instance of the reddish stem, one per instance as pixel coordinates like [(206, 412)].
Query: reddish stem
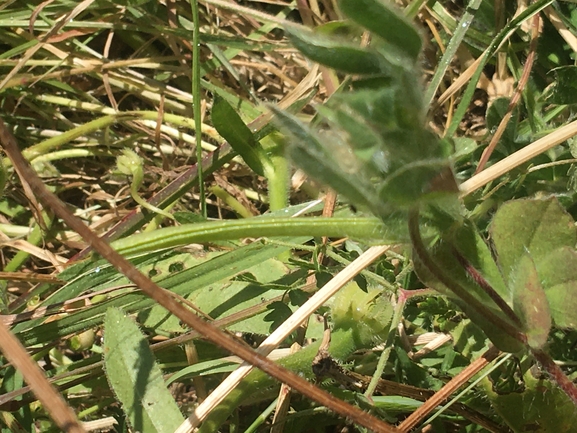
[(557, 375)]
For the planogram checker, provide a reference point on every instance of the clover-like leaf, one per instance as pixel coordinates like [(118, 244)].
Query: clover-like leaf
[(558, 275), (530, 302), (537, 226)]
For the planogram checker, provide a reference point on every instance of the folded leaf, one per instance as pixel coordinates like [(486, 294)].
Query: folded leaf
[(337, 54), (231, 127), (384, 21)]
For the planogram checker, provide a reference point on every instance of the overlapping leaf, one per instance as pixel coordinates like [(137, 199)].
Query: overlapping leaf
[(545, 232), (372, 144)]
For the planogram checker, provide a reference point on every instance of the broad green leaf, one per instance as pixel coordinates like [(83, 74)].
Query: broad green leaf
[(336, 54), (135, 377), (558, 275), (384, 21), (231, 127), (183, 283), (367, 313), (541, 406), (530, 303), (222, 299), (531, 225), (564, 89), (422, 181), (467, 242)]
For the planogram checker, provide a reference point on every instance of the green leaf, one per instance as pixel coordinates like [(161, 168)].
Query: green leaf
[(530, 303), (366, 312), (564, 89), (558, 275), (473, 248), (231, 127), (531, 225), (328, 165), (540, 406), (336, 54), (422, 181), (384, 21), (136, 378)]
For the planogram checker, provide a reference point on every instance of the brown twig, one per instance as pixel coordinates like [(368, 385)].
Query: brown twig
[(59, 411), (443, 394), (325, 366), (152, 290), (515, 99)]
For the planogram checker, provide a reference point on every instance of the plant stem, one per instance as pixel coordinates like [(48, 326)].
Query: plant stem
[(196, 102), (152, 290), (557, 375), (397, 317), (427, 261), (487, 288)]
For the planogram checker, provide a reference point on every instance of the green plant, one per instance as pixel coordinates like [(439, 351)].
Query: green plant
[(503, 268)]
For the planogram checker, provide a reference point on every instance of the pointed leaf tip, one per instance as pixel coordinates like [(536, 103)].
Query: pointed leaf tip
[(231, 127)]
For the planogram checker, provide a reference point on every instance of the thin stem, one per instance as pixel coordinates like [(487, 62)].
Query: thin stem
[(487, 288), (454, 286), (449, 388), (196, 103), (515, 99), (557, 374), (152, 290), (397, 317)]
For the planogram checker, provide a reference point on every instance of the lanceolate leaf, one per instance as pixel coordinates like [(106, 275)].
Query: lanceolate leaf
[(382, 20), (136, 378), (337, 54), (231, 127), (312, 156)]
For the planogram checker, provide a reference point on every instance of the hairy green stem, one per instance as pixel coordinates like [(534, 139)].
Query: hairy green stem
[(170, 237), (342, 345), (429, 263)]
